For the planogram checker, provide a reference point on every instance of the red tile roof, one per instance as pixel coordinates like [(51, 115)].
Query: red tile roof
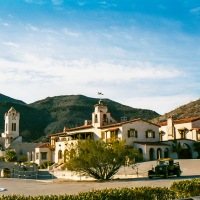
[(181, 121), (45, 145), (126, 122)]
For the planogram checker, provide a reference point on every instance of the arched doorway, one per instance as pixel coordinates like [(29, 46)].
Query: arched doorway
[(140, 151), (5, 173), (159, 153), (166, 153), (151, 154), (65, 155), (185, 152), (60, 154)]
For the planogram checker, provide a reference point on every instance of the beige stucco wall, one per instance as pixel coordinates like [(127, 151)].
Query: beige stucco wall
[(38, 159), (190, 135), (141, 128)]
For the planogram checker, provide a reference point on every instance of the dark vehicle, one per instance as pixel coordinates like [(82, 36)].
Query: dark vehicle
[(165, 167)]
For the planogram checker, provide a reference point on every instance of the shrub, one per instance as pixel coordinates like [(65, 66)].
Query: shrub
[(186, 188), (138, 193), (46, 164), (2, 158)]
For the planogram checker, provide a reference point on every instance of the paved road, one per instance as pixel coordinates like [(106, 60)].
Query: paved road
[(34, 187), (190, 170)]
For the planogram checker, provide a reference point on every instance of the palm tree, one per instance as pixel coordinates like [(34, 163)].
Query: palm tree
[(176, 147)]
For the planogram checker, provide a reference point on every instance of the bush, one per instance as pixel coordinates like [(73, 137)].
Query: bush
[(139, 193), (46, 164), (11, 155), (186, 188), (22, 158), (2, 158), (64, 167)]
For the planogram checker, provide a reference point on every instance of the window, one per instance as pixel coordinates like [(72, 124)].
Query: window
[(6, 127), (150, 134), (104, 118), (113, 134), (132, 133), (96, 119), (60, 154), (160, 136), (13, 126), (44, 155), (37, 156)]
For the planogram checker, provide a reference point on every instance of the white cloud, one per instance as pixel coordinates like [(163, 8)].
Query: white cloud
[(57, 2), (31, 27), (71, 33), (11, 44), (195, 11)]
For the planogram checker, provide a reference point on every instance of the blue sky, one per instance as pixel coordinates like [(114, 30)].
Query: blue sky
[(141, 53)]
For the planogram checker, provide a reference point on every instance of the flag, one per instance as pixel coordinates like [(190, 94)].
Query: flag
[(99, 93)]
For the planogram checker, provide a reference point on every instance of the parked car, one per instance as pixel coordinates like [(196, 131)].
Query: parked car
[(165, 167)]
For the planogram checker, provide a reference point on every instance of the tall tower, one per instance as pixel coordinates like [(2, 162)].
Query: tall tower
[(11, 130), (101, 116)]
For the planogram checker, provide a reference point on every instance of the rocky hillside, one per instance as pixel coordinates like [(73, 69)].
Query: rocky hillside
[(50, 115), (72, 110), (191, 109)]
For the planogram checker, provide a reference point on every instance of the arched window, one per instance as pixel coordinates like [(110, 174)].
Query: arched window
[(65, 155), (96, 119), (60, 154), (104, 118)]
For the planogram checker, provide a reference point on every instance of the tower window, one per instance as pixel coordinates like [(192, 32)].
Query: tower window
[(104, 118), (13, 126), (96, 119)]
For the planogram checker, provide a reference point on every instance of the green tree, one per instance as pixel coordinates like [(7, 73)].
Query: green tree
[(99, 159), (176, 147), (11, 155)]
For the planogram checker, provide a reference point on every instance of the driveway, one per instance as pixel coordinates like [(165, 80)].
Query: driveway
[(61, 186)]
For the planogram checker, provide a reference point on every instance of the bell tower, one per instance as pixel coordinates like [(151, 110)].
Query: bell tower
[(11, 129), (101, 116)]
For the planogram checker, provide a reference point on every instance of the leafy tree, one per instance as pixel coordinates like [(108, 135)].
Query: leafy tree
[(176, 147), (99, 159), (11, 155)]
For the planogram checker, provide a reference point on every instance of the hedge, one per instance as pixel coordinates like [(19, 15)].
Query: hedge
[(179, 189)]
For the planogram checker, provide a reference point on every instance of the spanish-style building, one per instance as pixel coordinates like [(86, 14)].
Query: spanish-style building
[(11, 139), (185, 131), (153, 141), (138, 133)]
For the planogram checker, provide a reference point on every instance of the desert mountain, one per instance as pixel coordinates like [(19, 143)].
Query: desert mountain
[(191, 109), (50, 115)]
